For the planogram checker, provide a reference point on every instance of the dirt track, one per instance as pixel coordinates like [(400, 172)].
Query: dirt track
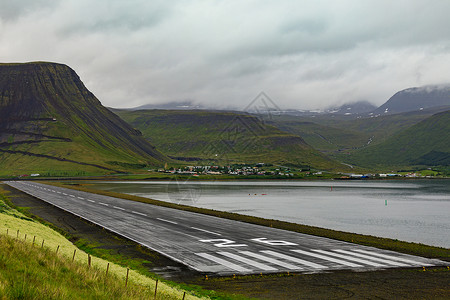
[(432, 283)]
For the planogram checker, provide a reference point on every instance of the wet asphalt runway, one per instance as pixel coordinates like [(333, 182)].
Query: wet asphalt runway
[(219, 246)]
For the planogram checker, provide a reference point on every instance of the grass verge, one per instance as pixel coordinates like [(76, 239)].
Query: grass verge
[(39, 263)]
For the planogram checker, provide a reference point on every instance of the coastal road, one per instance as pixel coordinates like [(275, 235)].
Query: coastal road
[(219, 246)]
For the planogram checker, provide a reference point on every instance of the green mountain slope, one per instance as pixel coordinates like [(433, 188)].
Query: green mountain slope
[(50, 123), (334, 134), (425, 143), (223, 137)]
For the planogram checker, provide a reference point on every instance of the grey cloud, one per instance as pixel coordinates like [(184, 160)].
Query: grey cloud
[(303, 54), (10, 10)]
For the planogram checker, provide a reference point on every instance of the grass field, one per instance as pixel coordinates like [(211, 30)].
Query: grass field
[(36, 263)]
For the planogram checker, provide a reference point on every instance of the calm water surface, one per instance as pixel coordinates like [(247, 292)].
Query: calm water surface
[(409, 210)]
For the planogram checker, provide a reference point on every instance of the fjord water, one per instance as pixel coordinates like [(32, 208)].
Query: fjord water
[(408, 210)]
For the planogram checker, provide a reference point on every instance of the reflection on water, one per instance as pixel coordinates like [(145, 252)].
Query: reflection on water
[(410, 210)]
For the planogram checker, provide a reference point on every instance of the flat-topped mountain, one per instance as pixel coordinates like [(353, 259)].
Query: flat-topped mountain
[(50, 121)]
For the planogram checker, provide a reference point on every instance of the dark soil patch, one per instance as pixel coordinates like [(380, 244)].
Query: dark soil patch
[(433, 283)]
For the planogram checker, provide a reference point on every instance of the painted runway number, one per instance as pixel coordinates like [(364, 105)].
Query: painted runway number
[(223, 243), (229, 243)]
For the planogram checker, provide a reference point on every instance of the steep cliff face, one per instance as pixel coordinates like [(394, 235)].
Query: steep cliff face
[(46, 111)]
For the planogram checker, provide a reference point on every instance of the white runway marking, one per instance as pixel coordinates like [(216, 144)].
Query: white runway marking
[(223, 262), (138, 213), (119, 208), (271, 260), (294, 259), (388, 262), (205, 230), (81, 198), (248, 261), (101, 203), (394, 258), (342, 262), (355, 259), (164, 220), (91, 200)]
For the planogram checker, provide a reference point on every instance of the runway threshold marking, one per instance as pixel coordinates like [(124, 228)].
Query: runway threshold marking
[(271, 260), (294, 259), (204, 230), (339, 261), (385, 261), (248, 261), (223, 262), (394, 258), (347, 257)]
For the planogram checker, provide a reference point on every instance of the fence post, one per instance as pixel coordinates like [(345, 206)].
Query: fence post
[(107, 269), (34, 239), (25, 239), (126, 280), (42, 246), (184, 295), (73, 257), (156, 288), (17, 233), (57, 249)]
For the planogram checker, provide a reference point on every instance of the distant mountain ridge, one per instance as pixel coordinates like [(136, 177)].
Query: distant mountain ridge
[(416, 98), (355, 108), (48, 118)]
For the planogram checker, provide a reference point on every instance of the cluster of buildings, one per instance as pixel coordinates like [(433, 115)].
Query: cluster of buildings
[(244, 170)]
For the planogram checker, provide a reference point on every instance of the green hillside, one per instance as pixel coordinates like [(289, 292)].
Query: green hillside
[(51, 124), (425, 143), (335, 134), (223, 137)]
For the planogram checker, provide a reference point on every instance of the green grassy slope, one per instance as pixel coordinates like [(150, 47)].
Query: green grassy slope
[(334, 134), (223, 137), (50, 122), (426, 143), (31, 268), (327, 139)]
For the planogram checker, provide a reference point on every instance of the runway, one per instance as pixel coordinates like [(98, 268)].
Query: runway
[(217, 246)]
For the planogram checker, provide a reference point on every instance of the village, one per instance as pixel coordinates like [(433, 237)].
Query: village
[(270, 170)]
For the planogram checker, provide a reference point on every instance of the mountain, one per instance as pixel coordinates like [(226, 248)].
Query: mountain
[(416, 98), (50, 123), (182, 105), (223, 138), (356, 108), (425, 143)]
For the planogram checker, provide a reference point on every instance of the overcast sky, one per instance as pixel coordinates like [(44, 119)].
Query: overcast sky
[(303, 54)]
